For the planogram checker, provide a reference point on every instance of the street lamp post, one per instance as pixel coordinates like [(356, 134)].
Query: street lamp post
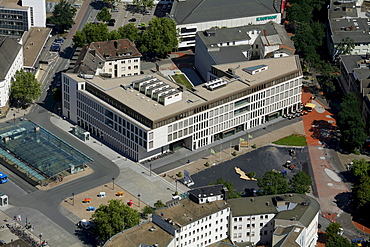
[(14, 117), (73, 198), (150, 168), (176, 185), (139, 199), (113, 183), (40, 237)]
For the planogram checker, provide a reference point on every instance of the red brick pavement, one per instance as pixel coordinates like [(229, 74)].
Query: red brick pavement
[(316, 124)]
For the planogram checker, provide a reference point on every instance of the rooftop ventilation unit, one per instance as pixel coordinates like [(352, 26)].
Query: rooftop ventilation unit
[(216, 83)]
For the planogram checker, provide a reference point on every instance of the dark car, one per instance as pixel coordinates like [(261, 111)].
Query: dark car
[(59, 41), (132, 20), (55, 47)]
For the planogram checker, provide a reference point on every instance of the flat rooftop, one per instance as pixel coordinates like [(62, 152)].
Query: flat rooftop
[(200, 95), (11, 4), (141, 234), (357, 29), (34, 41), (188, 211), (197, 11)]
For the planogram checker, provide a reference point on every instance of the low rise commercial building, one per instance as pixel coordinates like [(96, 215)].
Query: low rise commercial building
[(192, 16)]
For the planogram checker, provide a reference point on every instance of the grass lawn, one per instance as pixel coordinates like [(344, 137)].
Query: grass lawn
[(292, 140), (181, 79)]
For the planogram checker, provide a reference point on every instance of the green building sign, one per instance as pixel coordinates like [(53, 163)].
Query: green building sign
[(265, 18)]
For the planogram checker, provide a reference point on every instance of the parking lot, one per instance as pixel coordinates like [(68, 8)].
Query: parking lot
[(260, 161), (125, 14)]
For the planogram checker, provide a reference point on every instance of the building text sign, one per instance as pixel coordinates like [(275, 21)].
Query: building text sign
[(265, 18)]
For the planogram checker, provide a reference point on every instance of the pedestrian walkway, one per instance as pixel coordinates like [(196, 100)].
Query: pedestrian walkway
[(319, 126)]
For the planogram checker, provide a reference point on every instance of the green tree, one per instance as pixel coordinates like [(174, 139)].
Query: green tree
[(104, 15), (129, 31), (57, 94), (361, 192), (229, 186), (147, 210), (333, 230), (338, 241), (299, 12), (79, 39), (361, 168), (63, 15), (25, 88), (144, 3), (113, 218), (159, 204), (350, 123), (300, 183), (160, 37), (92, 32), (345, 47), (273, 183)]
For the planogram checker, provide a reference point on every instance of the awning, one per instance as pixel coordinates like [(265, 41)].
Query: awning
[(310, 105)]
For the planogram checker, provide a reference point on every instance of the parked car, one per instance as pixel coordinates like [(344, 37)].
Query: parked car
[(132, 20), (164, 7), (59, 41), (59, 84), (112, 22), (114, 10), (55, 47), (147, 13)]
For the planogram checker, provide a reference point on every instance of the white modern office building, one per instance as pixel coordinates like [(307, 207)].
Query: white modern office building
[(192, 16), (17, 17), (11, 54), (145, 116)]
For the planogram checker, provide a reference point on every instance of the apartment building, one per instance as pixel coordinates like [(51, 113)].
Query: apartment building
[(192, 16), (348, 19), (205, 216), (354, 77), (113, 58), (11, 54), (17, 17), (145, 116)]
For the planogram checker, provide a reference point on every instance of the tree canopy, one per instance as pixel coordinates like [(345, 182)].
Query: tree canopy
[(361, 187), (63, 15), (92, 32), (25, 88), (144, 3), (104, 15), (160, 37), (113, 218), (273, 183), (332, 233), (350, 123), (229, 186), (345, 47), (300, 183), (158, 204)]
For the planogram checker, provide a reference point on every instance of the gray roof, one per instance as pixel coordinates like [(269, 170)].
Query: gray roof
[(305, 210), (356, 29), (9, 49), (196, 11), (206, 191), (275, 34), (338, 10)]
